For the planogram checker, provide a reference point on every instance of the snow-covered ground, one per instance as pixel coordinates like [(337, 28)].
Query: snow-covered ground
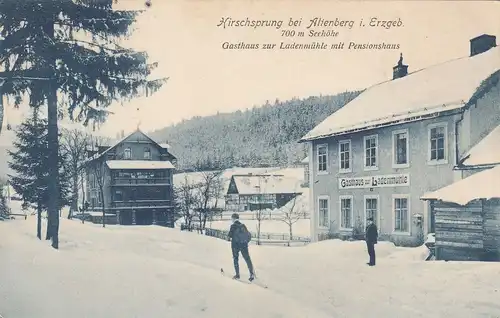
[(301, 228), (153, 272)]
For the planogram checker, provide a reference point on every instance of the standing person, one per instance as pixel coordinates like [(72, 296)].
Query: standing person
[(240, 237), (371, 240)]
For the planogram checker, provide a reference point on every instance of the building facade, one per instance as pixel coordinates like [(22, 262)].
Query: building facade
[(132, 180), (377, 156), (467, 212), (260, 191)]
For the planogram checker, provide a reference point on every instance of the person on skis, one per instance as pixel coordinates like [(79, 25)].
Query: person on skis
[(240, 237)]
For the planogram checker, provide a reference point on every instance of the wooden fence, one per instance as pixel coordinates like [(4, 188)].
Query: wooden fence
[(269, 237)]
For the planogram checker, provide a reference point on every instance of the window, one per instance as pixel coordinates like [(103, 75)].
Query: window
[(92, 181), (346, 212), (323, 212), (437, 143), (322, 158), (127, 154), (118, 195), (345, 156), (371, 208), (371, 152), (93, 199), (401, 214), (400, 149), (167, 176), (147, 153)]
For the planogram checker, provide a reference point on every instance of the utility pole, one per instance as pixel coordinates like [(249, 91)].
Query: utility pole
[(2, 81)]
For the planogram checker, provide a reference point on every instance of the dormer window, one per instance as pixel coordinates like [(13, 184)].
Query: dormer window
[(147, 154), (127, 154)]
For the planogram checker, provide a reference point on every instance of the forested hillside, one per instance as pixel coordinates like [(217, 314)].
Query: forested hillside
[(262, 136)]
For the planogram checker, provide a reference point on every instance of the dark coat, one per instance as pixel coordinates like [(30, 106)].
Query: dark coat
[(232, 230), (371, 234)]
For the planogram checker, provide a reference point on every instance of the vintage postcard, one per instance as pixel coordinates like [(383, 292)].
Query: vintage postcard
[(216, 158)]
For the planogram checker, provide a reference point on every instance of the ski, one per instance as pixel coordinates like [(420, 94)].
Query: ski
[(246, 281)]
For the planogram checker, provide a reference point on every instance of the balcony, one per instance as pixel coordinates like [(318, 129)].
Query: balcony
[(257, 201), (139, 181), (118, 205)]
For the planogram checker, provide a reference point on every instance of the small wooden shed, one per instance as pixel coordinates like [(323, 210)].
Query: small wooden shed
[(467, 218)]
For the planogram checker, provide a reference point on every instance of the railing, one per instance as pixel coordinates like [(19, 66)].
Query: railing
[(139, 181), (141, 203), (327, 236)]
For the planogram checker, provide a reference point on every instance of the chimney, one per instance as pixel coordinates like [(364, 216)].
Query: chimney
[(399, 70), (482, 43)]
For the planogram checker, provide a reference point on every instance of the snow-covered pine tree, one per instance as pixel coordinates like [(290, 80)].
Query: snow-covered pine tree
[(29, 161), (3, 203), (68, 53)]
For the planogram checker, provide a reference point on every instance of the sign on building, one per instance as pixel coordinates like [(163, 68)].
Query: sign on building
[(382, 181)]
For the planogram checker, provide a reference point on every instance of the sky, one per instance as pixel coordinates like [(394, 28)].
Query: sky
[(183, 37)]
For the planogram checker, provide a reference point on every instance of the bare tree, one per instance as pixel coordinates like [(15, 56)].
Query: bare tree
[(84, 199), (291, 214), (75, 143), (99, 171), (209, 190), (259, 216), (259, 213), (186, 200)]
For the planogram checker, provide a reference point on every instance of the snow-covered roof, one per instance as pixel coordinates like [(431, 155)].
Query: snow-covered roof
[(482, 185), (485, 152), (98, 155), (139, 164), (164, 145), (266, 184), (442, 87)]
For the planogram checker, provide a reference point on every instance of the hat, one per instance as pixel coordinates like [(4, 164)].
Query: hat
[(370, 219), (235, 216)]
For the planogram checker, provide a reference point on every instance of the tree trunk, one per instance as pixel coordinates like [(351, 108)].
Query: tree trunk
[(103, 210), (83, 200), (204, 221), (1, 106), (200, 220), (74, 199), (39, 221), (48, 236), (53, 151), (290, 231), (258, 230)]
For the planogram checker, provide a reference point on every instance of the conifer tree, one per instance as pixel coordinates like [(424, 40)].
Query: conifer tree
[(4, 209), (29, 161), (67, 54)]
